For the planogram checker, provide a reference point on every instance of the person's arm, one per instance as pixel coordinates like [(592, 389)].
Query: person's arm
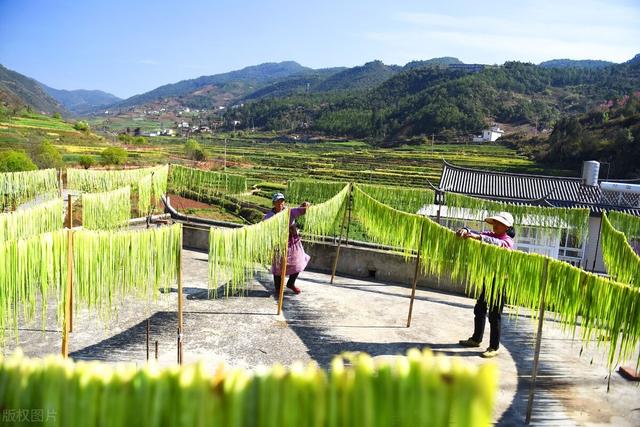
[(486, 237), (299, 211)]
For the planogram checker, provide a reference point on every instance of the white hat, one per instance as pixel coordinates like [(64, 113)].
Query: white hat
[(503, 218)]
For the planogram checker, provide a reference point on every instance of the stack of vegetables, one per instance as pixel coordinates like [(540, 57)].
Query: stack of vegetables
[(623, 263), (18, 187), (108, 210), (419, 390), (198, 183), (577, 297)]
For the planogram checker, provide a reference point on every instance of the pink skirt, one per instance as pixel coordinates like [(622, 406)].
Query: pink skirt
[(297, 259)]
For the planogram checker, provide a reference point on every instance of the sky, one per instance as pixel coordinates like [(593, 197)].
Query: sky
[(130, 47)]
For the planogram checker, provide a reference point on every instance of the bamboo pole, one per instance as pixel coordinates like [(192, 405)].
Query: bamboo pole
[(415, 275), (180, 319), (536, 357), (148, 331), (283, 270), (70, 226), (68, 292), (344, 218)]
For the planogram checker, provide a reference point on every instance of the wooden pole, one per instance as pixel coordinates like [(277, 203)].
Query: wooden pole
[(68, 292), (344, 218), (180, 320), (70, 226), (156, 351), (346, 241), (283, 270), (536, 357), (148, 330), (415, 276)]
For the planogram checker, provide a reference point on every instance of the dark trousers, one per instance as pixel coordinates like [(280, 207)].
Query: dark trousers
[(290, 283), (480, 312)]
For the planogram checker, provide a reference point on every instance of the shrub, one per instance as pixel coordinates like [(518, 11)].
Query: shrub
[(251, 215), (193, 150), (46, 156), (81, 125), (15, 161), (86, 161), (114, 156)]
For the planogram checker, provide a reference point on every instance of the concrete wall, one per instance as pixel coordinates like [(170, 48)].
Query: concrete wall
[(372, 264)]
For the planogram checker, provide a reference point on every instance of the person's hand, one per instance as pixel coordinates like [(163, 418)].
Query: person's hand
[(462, 232), (305, 205)]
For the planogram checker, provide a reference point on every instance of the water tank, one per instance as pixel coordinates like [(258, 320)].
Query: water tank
[(590, 172), (620, 187)]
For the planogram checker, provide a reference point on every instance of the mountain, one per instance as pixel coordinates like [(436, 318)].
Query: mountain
[(80, 101), (572, 63), (433, 62), (18, 91), (235, 84), (366, 76)]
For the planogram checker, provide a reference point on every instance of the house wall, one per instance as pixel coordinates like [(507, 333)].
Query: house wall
[(594, 247)]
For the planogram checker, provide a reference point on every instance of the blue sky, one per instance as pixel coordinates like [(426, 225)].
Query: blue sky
[(129, 47)]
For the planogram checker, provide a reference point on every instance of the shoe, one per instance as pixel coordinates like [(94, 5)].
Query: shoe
[(469, 343), (296, 290), (489, 353)]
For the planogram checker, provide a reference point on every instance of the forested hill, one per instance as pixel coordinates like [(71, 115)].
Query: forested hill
[(19, 91), (442, 100)]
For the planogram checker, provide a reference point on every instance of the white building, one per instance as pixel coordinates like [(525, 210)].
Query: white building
[(489, 135)]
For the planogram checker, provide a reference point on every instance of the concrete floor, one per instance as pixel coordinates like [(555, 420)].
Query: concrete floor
[(350, 315)]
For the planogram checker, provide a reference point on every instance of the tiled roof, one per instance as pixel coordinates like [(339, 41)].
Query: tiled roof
[(522, 188)]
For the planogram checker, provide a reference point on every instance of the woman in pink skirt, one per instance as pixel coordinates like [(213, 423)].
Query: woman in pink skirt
[(297, 259)]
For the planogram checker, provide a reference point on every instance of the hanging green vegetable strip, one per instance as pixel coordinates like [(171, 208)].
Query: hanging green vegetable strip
[(404, 199), (30, 269), (107, 180), (386, 225), (308, 190), (109, 266), (205, 183), (18, 187), (419, 390), (106, 211), (42, 218), (622, 262), (160, 181), (626, 223), (239, 251), (325, 218), (145, 191), (548, 217)]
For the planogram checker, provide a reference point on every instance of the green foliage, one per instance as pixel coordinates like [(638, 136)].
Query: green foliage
[(109, 266), (57, 115), (205, 183), (81, 125), (18, 187), (626, 223), (193, 150), (15, 161), (24, 223), (114, 156), (139, 140), (106, 211), (623, 263), (86, 161), (313, 191), (234, 253), (419, 390), (46, 156), (253, 216)]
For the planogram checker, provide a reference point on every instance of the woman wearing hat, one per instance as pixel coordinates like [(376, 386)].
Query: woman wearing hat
[(297, 259), (502, 235)]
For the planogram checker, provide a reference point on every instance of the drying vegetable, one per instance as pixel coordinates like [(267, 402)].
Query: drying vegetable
[(205, 183), (106, 211), (307, 190), (622, 262), (23, 223), (18, 187)]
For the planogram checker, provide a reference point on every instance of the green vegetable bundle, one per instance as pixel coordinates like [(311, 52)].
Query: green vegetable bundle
[(18, 187), (106, 211), (206, 183), (419, 390), (622, 262), (145, 195), (42, 218), (109, 266), (402, 198), (238, 252), (31, 270), (576, 219), (578, 297), (626, 223), (308, 190), (325, 218), (93, 181)]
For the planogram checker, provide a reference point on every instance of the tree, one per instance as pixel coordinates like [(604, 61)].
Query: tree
[(46, 156), (86, 161), (57, 115), (194, 151), (114, 156), (81, 125), (16, 161)]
